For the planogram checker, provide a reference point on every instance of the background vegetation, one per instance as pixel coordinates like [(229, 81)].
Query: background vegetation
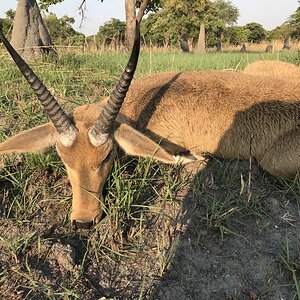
[(166, 21)]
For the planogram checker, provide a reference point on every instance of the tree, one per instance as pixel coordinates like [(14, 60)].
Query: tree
[(228, 14), (113, 30), (280, 32), (284, 32), (257, 32), (30, 35), (132, 16), (179, 17), (236, 35), (61, 30), (7, 22), (144, 6), (201, 39), (294, 22), (184, 44), (161, 30), (202, 12)]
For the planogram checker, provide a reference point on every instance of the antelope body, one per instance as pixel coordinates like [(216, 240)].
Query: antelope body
[(273, 68), (174, 117)]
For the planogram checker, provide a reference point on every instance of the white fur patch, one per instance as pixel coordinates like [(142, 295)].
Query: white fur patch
[(67, 139), (98, 140), (184, 159)]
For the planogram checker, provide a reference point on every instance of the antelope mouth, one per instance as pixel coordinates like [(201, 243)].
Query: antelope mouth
[(87, 223)]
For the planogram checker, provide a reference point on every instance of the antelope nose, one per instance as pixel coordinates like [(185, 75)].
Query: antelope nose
[(79, 224)]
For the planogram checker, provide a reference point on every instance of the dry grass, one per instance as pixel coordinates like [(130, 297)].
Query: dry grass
[(93, 47), (261, 47)]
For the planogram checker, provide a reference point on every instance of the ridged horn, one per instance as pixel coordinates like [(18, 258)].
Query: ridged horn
[(99, 132), (66, 129)]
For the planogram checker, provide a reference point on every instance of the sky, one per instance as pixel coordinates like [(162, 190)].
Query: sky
[(269, 13)]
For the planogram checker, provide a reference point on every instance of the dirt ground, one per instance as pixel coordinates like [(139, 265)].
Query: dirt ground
[(222, 236)]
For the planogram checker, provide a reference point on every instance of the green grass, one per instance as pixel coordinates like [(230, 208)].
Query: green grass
[(30, 183)]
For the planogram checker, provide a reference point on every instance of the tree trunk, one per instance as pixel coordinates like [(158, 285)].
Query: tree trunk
[(270, 48), (130, 22), (244, 47), (286, 43), (183, 41), (131, 19), (201, 39), (29, 35), (219, 43), (219, 46)]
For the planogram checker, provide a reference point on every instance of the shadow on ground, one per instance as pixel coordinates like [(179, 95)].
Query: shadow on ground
[(241, 239)]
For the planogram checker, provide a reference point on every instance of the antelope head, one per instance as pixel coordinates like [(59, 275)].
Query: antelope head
[(88, 146)]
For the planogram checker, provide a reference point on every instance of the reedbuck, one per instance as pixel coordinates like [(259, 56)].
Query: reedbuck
[(171, 117), (276, 68)]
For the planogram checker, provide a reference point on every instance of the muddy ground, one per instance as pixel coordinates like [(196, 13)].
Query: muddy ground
[(221, 236)]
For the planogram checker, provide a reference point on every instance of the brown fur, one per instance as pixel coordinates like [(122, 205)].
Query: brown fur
[(273, 68), (172, 115)]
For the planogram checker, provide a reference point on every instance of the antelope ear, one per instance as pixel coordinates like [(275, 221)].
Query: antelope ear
[(137, 144), (33, 140)]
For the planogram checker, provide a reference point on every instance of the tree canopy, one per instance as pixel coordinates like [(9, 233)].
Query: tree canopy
[(179, 17), (61, 30), (237, 35), (113, 30), (256, 32), (281, 32), (7, 22), (294, 22)]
